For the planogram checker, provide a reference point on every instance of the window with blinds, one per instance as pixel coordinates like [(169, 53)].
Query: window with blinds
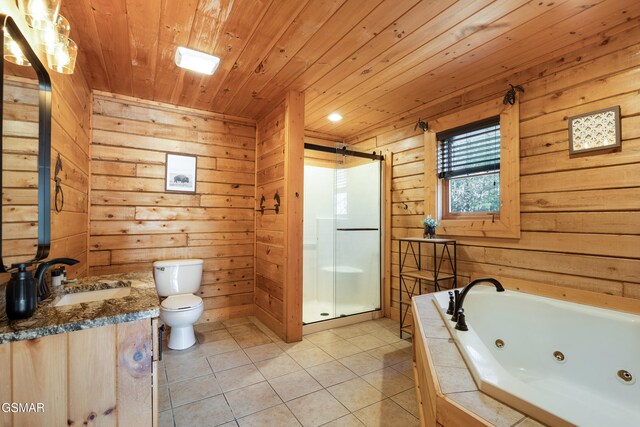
[(470, 149), (469, 166)]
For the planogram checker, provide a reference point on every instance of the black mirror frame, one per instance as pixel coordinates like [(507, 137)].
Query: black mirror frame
[(44, 141)]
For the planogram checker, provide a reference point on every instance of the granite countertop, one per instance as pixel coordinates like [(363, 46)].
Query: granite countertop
[(141, 303)]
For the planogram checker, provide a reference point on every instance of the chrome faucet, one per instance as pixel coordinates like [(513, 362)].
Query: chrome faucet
[(458, 312)]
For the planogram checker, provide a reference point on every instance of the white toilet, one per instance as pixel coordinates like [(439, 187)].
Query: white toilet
[(178, 280)]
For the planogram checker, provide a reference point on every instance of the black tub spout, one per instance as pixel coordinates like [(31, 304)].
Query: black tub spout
[(460, 298)]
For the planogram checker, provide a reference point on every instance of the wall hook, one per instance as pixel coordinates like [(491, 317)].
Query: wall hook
[(422, 125), (262, 200), (276, 206), (59, 197), (510, 96)]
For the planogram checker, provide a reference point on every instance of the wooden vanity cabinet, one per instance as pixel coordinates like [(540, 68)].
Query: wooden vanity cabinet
[(103, 376)]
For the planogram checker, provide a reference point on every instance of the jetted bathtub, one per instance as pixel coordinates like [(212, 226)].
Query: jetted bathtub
[(559, 362)]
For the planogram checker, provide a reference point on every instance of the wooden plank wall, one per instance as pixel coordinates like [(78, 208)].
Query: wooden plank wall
[(280, 168), (270, 227), (70, 136), (580, 216), (320, 158), (19, 169), (135, 222)]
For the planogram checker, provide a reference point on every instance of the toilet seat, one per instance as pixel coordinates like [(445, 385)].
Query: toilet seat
[(181, 302)]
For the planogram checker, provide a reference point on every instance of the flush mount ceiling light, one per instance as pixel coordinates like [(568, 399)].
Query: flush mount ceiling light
[(334, 117), (196, 61)]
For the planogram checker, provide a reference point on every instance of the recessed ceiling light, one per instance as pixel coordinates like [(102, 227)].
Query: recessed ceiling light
[(196, 61), (334, 117)]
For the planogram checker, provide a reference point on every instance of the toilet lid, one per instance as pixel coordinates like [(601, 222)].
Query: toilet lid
[(181, 302)]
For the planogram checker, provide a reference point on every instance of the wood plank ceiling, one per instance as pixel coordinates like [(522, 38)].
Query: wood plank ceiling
[(371, 60)]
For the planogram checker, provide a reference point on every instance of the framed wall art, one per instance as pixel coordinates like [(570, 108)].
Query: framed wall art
[(595, 131), (180, 173)]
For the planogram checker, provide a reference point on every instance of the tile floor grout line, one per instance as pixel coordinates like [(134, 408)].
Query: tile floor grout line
[(252, 342)]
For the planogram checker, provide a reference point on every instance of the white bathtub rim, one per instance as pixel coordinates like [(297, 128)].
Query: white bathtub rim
[(491, 386), (496, 389), (491, 378)]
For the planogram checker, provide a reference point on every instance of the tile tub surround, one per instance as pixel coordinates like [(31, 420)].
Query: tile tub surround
[(141, 303), (234, 377), (457, 397)]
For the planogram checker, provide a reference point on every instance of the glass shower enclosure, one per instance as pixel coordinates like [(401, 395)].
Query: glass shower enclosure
[(342, 228)]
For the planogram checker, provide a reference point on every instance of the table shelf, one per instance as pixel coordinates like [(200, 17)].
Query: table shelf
[(415, 277), (426, 275)]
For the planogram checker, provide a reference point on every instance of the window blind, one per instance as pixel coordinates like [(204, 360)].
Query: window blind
[(473, 148)]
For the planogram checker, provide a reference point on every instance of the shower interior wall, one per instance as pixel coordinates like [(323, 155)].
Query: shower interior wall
[(341, 265)]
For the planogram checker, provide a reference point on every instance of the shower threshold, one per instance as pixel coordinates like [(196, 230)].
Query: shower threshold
[(320, 311), (336, 322)]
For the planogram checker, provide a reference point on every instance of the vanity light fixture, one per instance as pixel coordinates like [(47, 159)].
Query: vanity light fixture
[(53, 33), (60, 49), (62, 58), (193, 60), (39, 13), (12, 51), (334, 117)]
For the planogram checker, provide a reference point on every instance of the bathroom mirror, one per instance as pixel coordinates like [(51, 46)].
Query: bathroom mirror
[(25, 151)]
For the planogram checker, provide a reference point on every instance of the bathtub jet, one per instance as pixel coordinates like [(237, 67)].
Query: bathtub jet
[(562, 363)]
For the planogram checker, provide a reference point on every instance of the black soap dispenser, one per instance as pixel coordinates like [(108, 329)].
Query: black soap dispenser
[(21, 296)]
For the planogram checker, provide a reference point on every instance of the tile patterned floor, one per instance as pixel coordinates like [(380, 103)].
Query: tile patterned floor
[(241, 374)]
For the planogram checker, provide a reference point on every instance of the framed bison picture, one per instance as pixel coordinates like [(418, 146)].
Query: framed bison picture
[(181, 173)]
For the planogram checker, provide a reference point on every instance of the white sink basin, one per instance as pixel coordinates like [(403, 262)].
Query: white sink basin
[(91, 296)]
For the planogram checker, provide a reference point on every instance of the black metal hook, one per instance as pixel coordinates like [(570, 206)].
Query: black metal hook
[(276, 205), (59, 195), (422, 125), (262, 200), (510, 96), (58, 165)]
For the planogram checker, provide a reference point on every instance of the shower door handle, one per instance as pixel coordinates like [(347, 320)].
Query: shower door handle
[(356, 229)]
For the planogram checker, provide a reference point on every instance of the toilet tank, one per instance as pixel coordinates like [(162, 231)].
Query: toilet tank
[(177, 276)]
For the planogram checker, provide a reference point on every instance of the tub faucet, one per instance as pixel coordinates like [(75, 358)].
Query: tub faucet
[(458, 312)]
